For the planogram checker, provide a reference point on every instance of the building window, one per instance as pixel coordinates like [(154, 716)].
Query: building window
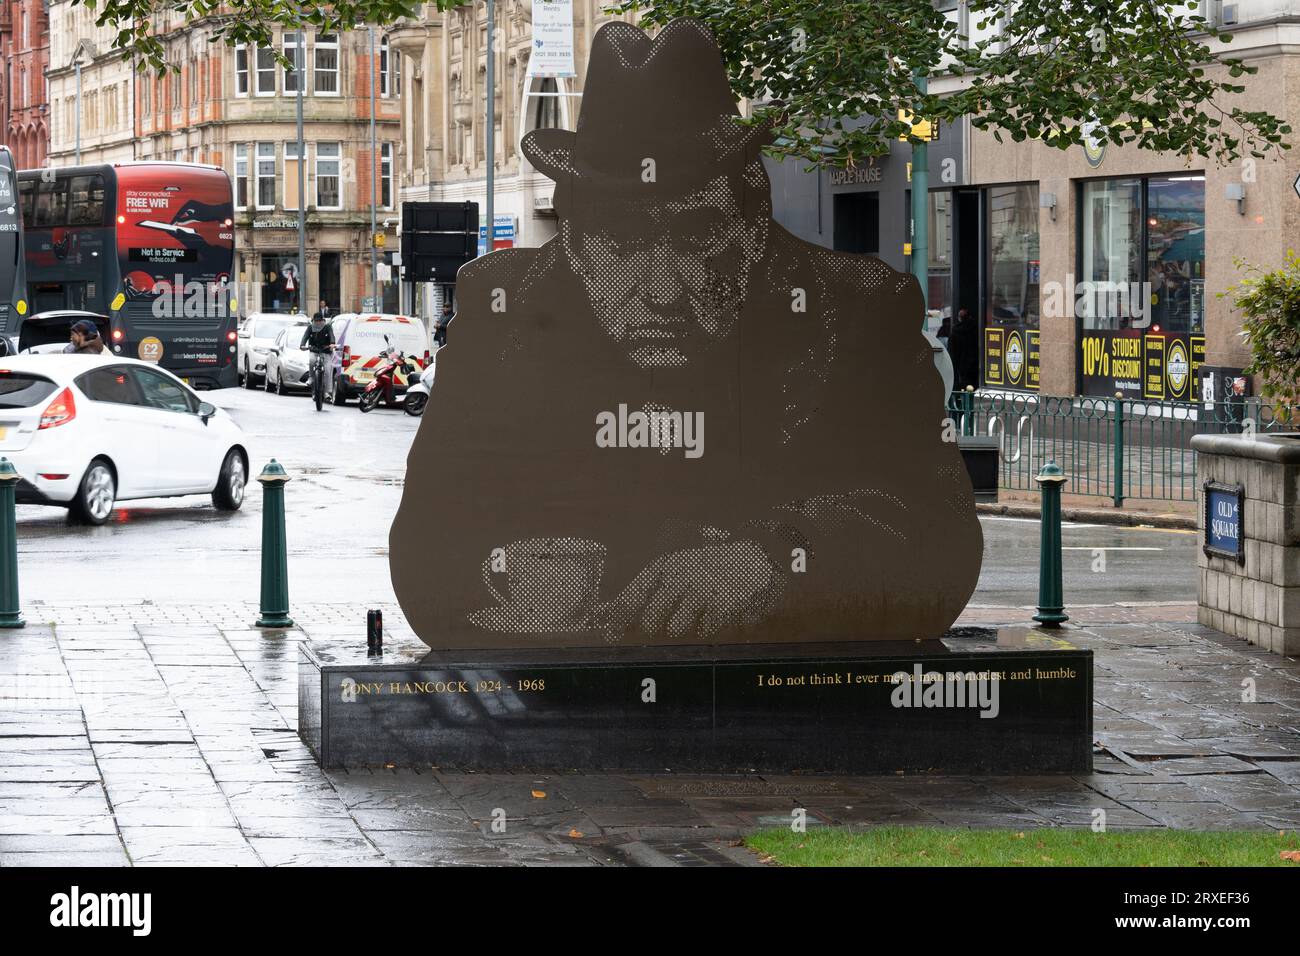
[(940, 230), (266, 175), (327, 176), (1143, 230), (1110, 252), (1013, 265), (1175, 220), (265, 71), (326, 63), (146, 96), (194, 81), (293, 169), (174, 90), (390, 70), (241, 175), (241, 69), (291, 53), (546, 109), (386, 175)]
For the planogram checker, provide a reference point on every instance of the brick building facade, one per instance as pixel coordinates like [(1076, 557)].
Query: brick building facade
[(24, 104)]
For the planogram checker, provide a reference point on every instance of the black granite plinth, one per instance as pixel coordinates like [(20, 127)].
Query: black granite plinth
[(775, 709)]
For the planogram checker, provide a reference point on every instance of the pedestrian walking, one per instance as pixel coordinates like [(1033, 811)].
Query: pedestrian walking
[(963, 349), (440, 325)]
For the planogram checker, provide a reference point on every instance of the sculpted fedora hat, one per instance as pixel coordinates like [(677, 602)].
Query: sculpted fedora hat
[(662, 105)]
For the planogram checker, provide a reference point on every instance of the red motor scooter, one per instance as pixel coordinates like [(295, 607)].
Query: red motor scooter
[(392, 361)]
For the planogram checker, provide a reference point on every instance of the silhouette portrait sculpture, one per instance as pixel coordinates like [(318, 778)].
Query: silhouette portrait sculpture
[(674, 422)]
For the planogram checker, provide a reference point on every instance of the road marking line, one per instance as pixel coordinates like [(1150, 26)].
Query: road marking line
[(1106, 547)]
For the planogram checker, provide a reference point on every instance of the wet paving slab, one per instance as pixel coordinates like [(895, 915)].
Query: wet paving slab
[(127, 739)]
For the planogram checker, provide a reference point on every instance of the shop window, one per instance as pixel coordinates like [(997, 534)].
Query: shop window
[(1175, 245), (1142, 254), (939, 267), (1013, 263), (1110, 252)]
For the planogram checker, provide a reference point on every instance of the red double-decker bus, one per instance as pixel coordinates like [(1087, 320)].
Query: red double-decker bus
[(148, 245)]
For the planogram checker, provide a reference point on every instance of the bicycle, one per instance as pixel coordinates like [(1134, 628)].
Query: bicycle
[(318, 378)]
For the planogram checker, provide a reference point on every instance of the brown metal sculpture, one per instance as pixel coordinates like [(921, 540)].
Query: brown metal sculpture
[(675, 423)]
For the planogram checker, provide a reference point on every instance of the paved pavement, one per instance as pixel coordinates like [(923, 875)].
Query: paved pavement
[(153, 734), (147, 722)]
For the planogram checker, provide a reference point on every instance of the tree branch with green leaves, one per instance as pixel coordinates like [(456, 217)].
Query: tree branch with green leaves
[(136, 22), (832, 78)]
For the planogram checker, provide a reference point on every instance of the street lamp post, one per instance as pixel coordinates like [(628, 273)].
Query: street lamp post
[(374, 173), (298, 64), (490, 132), (921, 208)]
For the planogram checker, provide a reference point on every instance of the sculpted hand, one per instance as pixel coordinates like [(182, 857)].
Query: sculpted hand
[(695, 593)]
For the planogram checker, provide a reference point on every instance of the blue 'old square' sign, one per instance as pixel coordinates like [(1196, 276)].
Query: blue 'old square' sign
[(1223, 534)]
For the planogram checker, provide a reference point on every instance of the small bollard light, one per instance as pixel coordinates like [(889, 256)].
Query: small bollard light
[(10, 615), (1051, 601), (374, 632), (275, 549)]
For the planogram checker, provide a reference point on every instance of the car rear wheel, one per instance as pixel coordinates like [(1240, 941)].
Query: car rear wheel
[(266, 380), (229, 493), (96, 495), (337, 394)]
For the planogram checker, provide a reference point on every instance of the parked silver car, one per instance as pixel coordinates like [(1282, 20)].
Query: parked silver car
[(287, 365), (256, 336)]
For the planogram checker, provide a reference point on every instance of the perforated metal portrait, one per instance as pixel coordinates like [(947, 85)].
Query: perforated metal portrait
[(675, 423)]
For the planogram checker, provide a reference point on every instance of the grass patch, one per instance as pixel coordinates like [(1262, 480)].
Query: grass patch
[(934, 846)]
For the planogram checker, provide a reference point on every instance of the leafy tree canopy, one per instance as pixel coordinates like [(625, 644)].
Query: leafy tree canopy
[(239, 21), (1118, 71)]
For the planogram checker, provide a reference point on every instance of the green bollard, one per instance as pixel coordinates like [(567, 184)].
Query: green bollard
[(968, 410), (275, 549), (1118, 442), (10, 616), (1051, 601)]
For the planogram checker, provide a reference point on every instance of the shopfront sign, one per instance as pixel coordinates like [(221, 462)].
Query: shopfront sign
[(857, 175), (1011, 357), (1158, 366)]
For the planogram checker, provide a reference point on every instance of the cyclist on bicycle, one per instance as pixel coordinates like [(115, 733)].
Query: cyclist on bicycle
[(318, 338)]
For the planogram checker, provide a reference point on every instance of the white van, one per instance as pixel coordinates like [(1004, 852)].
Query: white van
[(361, 337)]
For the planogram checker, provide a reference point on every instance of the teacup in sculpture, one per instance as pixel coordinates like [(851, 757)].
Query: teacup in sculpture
[(675, 423)]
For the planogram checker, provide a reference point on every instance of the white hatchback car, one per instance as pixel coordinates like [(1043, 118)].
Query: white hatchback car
[(87, 431)]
